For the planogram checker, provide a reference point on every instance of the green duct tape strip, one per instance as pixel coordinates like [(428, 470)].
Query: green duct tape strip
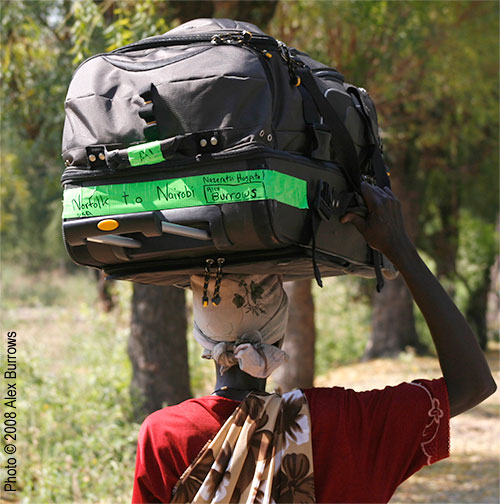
[(145, 154), (185, 192)]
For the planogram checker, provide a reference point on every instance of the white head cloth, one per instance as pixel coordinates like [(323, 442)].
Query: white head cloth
[(251, 316)]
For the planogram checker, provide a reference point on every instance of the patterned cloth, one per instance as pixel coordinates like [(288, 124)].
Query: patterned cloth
[(247, 325), (262, 454)]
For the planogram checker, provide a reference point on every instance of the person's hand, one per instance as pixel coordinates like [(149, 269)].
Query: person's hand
[(383, 227)]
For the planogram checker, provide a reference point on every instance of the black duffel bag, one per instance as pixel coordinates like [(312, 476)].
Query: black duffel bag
[(217, 146)]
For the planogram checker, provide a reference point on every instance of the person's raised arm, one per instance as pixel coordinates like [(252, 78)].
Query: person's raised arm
[(465, 370)]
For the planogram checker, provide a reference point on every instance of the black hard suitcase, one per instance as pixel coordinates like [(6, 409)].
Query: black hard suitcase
[(157, 206)]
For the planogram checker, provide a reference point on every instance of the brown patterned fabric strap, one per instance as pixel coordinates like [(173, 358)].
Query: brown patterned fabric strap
[(262, 454)]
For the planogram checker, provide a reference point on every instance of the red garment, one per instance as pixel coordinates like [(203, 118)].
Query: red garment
[(364, 443)]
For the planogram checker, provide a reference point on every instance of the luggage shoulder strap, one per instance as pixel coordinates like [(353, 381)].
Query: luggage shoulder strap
[(379, 167), (341, 141), (345, 152)]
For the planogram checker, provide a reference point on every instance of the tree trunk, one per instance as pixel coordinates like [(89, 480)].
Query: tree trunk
[(157, 348), (475, 312), (393, 322), (104, 292), (185, 11), (299, 339), (493, 300), (258, 12)]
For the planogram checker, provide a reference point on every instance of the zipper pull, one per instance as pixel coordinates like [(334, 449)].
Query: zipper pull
[(266, 53), (216, 299), (232, 38), (208, 265), (291, 62), (217, 40), (246, 37)]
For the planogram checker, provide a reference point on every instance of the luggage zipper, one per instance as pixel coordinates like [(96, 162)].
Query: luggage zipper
[(216, 298), (117, 51), (204, 299), (246, 39), (163, 41), (76, 175), (291, 62), (224, 37)]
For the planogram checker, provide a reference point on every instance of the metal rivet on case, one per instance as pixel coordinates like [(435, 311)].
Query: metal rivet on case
[(92, 158), (269, 137), (203, 142), (213, 141), (262, 133), (102, 157)]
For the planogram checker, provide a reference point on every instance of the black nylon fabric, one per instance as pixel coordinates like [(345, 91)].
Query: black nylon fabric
[(191, 96), (199, 86), (218, 90)]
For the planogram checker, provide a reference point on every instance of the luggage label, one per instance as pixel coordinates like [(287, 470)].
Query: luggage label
[(185, 192)]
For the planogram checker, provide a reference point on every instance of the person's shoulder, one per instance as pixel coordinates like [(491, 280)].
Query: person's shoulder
[(163, 417), (188, 411), (417, 389)]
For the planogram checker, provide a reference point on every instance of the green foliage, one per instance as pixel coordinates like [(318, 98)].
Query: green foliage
[(75, 427), (478, 246), (481, 239), (342, 323), (42, 42), (43, 288), (432, 71), (86, 30), (76, 441), (35, 67), (134, 21)]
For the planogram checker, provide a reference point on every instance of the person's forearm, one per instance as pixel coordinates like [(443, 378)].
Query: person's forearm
[(463, 364), (464, 367)]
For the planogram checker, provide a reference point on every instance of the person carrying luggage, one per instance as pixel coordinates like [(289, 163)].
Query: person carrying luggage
[(241, 444)]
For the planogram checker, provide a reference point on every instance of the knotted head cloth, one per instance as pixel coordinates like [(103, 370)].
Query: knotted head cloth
[(241, 329)]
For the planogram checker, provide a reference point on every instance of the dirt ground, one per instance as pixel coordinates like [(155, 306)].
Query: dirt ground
[(471, 474)]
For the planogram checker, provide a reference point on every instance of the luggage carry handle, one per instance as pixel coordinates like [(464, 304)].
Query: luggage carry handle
[(189, 232), (167, 228), (116, 241), (112, 228)]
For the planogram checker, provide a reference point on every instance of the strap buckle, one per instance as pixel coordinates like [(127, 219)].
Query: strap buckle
[(323, 202), (320, 138)]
